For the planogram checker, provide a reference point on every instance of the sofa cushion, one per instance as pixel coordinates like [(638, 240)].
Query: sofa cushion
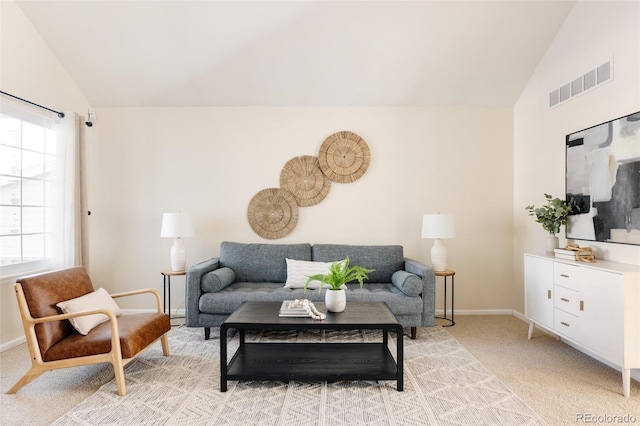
[(261, 262), (231, 297), (396, 300), (409, 283), (299, 271), (384, 259), (217, 279)]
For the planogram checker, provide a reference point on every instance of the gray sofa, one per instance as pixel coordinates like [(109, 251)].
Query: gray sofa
[(258, 272)]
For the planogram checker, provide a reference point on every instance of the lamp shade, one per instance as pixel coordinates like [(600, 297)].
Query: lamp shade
[(438, 226), (176, 225)]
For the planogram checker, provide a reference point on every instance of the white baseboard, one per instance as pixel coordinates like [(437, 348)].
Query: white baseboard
[(174, 312), (476, 312), (12, 343), (520, 316)]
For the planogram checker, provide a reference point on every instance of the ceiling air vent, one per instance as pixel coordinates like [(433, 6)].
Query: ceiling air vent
[(589, 80)]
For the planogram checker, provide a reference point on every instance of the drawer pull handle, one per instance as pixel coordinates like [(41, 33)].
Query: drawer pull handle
[(564, 275), (564, 300), (565, 324), (582, 305), (548, 294)]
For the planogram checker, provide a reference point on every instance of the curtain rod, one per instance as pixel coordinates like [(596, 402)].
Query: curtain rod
[(60, 114)]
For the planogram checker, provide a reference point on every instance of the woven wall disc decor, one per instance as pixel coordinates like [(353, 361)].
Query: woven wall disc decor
[(303, 178), (344, 157), (273, 213)]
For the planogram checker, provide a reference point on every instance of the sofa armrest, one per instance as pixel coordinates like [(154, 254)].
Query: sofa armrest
[(429, 290), (193, 290)]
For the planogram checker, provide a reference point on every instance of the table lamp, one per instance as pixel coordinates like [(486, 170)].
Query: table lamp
[(176, 226), (438, 226)]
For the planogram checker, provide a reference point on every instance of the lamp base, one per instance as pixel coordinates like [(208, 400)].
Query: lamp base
[(438, 255), (178, 255)]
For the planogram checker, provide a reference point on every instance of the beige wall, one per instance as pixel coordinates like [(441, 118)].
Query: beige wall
[(210, 162), (481, 164), (29, 69), (592, 33)]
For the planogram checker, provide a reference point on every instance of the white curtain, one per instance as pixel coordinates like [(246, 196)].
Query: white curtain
[(66, 238)]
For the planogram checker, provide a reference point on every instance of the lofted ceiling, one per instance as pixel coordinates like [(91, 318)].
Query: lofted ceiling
[(298, 53)]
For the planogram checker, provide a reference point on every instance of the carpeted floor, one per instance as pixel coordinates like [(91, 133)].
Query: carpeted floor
[(563, 385), (559, 383), (444, 384)]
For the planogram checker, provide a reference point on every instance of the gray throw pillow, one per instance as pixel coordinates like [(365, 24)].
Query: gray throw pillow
[(217, 279), (410, 284)]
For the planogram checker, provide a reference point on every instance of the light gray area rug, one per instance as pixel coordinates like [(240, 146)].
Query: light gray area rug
[(444, 385)]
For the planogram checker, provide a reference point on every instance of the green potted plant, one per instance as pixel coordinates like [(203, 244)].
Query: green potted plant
[(339, 274), (552, 216)]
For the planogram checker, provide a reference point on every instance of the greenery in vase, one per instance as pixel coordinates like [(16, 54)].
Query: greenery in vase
[(551, 216), (339, 274)]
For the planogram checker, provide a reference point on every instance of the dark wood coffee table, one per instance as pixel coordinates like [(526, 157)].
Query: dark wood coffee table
[(312, 361)]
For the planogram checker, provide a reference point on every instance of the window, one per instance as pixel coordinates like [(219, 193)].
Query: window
[(27, 158)]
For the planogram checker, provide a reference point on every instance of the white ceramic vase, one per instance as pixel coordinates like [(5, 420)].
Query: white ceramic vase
[(551, 243), (336, 300)]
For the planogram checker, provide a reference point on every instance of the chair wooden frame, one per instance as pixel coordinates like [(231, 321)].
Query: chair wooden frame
[(114, 356)]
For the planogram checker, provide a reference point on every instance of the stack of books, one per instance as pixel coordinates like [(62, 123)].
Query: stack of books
[(294, 308), (561, 253)]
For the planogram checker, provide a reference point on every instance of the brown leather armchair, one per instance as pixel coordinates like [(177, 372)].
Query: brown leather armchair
[(54, 343)]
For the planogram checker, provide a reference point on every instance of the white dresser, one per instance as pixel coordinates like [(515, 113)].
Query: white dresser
[(595, 306)]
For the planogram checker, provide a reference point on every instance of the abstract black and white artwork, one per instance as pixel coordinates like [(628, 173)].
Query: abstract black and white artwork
[(603, 179)]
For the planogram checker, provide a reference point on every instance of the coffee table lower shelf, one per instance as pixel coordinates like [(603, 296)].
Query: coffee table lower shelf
[(312, 362), (316, 360)]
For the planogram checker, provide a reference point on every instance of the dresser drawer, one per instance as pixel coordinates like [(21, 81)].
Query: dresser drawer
[(566, 275), (566, 324), (567, 300)]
